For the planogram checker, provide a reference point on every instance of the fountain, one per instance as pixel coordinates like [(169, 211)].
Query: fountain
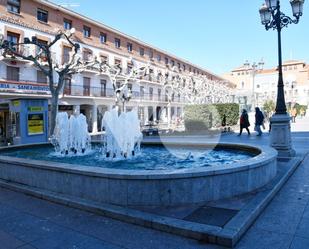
[(122, 137), (150, 177), (71, 134)]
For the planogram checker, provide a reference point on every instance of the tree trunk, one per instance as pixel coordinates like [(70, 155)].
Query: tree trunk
[(54, 111)]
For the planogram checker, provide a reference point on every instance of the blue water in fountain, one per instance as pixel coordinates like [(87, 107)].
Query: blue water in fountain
[(150, 157)]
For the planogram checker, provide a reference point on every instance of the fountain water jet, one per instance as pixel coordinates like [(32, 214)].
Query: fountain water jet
[(71, 134), (122, 134)]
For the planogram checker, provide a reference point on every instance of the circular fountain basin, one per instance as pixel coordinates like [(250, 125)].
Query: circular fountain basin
[(145, 187)]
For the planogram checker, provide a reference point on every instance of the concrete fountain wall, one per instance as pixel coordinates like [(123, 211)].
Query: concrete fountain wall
[(144, 188)]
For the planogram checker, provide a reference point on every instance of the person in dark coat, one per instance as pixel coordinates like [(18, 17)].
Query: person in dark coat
[(259, 119), (244, 122)]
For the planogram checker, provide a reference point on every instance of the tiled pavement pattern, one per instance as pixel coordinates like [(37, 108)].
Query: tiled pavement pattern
[(27, 222)]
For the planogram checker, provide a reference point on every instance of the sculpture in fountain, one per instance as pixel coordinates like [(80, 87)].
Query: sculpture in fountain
[(71, 134)]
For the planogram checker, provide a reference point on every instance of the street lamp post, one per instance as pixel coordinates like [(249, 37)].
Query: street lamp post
[(273, 18)]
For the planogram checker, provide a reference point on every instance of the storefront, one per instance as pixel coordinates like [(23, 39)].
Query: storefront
[(4, 124), (28, 121)]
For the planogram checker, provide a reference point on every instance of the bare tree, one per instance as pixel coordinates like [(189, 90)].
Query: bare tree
[(195, 89), (49, 64), (120, 79)]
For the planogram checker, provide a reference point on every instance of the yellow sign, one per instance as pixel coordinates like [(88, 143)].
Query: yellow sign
[(35, 108), (16, 103), (35, 124)]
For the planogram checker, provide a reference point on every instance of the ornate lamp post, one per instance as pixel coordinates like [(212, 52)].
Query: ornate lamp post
[(273, 18)]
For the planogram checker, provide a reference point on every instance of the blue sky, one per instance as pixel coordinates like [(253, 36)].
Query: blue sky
[(217, 35)]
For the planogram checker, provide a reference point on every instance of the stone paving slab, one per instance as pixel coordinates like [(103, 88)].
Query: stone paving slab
[(227, 236)]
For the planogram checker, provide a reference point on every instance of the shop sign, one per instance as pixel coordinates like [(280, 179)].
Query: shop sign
[(35, 124), (35, 109), (23, 88), (16, 103)]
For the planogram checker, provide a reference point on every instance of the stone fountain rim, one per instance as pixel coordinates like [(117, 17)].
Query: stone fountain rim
[(264, 154)]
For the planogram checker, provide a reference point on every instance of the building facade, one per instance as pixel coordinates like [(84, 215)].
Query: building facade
[(255, 85), (87, 92)]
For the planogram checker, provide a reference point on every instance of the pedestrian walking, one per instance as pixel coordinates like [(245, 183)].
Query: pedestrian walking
[(259, 120), (244, 122)]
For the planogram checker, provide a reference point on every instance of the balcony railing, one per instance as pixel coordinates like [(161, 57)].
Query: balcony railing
[(79, 90)]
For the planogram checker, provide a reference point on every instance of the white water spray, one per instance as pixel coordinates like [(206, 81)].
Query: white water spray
[(71, 134), (122, 134)]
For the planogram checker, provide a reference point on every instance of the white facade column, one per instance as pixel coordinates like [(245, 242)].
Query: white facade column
[(169, 114), (76, 109), (146, 115), (154, 113), (94, 118)]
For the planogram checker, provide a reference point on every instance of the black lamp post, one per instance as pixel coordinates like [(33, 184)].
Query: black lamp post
[(273, 18)]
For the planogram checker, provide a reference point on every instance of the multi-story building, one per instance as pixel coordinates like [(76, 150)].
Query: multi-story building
[(86, 92), (256, 85)]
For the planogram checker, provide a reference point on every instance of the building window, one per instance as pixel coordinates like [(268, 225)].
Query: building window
[(130, 87), (86, 86), (67, 24), (103, 88), (184, 67), (66, 54), (41, 77), (12, 73), (178, 65), (141, 92), (158, 57), (141, 52), (172, 63), (129, 68), (117, 43), (67, 85), (159, 94), (104, 59), (150, 93), (13, 6), (42, 15), (87, 55), (43, 55), (117, 62), (103, 37), (13, 39), (150, 54), (166, 60), (129, 47), (87, 31)]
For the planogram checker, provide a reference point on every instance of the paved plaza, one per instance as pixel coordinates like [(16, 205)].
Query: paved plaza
[(27, 222)]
